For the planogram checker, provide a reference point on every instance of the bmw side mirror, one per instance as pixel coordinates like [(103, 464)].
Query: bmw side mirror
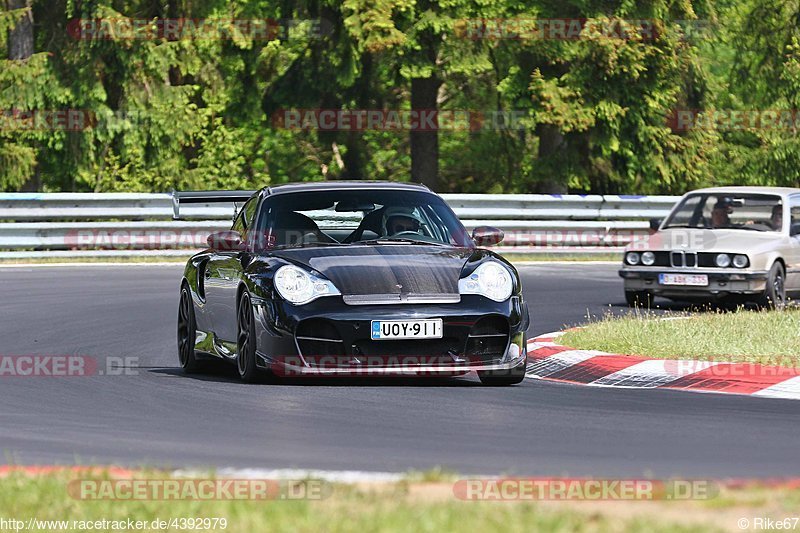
[(225, 241), (487, 235), (655, 223)]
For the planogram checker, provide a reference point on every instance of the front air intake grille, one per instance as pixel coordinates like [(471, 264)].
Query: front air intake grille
[(683, 259), (488, 340), (318, 337)]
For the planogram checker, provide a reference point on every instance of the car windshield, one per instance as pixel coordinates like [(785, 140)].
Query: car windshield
[(357, 217), (725, 210)]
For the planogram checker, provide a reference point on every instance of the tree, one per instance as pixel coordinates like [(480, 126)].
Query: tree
[(24, 87)]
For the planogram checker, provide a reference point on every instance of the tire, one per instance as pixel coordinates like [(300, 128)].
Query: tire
[(639, 299), (774, 296), (503, 378), (246, 340), (187, 333)]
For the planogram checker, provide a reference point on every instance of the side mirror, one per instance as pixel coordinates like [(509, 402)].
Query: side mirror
[(655, 223), (225, 241), (487, 235), (794, 229)]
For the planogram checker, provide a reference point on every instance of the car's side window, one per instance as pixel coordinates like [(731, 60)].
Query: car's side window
[(238, 223), (245, 217), (250, 211), (794, 209)]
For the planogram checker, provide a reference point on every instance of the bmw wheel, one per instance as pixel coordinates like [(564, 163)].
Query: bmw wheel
[(641, 299), (774, 295)]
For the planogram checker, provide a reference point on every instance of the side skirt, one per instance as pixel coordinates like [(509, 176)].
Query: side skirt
[(208, 345)]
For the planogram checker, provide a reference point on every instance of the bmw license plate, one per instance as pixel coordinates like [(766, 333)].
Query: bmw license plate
[(694, 280), (406, 329)]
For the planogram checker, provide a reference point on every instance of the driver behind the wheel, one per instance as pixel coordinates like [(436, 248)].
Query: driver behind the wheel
[(398, 220), (721, 214)]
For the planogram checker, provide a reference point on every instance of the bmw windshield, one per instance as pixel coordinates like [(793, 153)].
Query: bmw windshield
[(751, 212)]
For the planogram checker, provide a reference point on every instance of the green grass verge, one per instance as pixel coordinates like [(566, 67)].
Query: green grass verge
[(412, 505), (767, 337)]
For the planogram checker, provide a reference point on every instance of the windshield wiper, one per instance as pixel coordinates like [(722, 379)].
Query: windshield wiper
[(414, 241), (306, 245), (401, 240)]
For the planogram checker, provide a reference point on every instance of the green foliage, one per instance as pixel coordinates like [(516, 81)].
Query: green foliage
[(546, 114)]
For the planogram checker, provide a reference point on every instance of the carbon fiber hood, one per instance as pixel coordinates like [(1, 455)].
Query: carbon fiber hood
[(390, 269)]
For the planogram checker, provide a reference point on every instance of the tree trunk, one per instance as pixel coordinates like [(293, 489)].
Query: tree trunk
[(356, 156), (425, 143), (20, 39), (20, 47), (551, 150)]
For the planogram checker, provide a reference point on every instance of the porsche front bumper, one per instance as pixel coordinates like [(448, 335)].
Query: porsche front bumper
[(329, 337)]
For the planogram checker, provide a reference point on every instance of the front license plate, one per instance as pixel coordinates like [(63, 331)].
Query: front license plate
[(406, 329), (694, 280)]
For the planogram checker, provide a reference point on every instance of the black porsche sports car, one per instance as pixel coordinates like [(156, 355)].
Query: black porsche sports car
[(351, 278)]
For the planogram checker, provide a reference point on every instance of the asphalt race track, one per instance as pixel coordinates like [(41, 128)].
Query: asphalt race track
[(159, 417)]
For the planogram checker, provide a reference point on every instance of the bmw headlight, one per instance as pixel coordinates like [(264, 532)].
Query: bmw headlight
[(299, 287), (633, 258), (723, 260), (648, 258), (740, 261), (491, 279)]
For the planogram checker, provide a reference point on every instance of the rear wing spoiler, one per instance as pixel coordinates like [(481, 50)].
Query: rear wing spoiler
[(206, 197)]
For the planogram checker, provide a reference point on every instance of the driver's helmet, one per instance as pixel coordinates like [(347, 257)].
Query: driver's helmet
[(397, 219)]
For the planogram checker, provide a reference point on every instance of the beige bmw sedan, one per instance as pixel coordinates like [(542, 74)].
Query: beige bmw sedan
[(725, 243)]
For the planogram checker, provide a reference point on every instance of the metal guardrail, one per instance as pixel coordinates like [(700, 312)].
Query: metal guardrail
[(114, 224)]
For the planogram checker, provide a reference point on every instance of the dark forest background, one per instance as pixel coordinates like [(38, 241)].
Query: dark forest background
[(593, 112)]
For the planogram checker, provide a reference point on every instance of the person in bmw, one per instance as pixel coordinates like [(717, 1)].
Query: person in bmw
[(351, 278), (721, 214)]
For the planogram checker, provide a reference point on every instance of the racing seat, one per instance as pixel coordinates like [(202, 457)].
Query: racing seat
[(294, 228), (370, 224)]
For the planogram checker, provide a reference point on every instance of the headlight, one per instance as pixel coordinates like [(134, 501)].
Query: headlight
[(299, 287), (723, 260), (491, 280), (632, 258), (740, 261), (648, 258)]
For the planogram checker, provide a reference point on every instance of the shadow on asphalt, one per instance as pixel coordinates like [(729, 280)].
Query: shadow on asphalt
[(218, 371)]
